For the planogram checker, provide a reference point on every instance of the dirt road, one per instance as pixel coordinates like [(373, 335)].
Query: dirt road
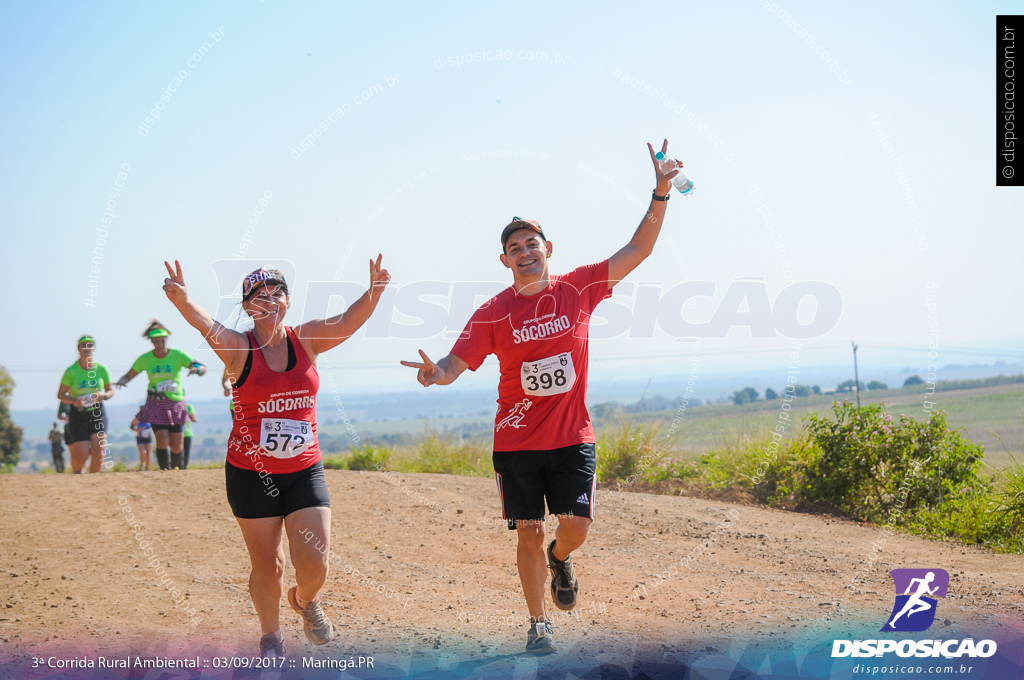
[(423, 568)]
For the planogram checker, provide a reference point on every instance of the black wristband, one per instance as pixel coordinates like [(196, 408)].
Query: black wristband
[(656, 197)]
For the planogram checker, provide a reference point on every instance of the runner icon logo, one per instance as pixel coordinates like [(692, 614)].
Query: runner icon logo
[(516, 415), (914, 609)]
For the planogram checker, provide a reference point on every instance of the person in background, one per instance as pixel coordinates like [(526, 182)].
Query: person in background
[(165, 396), (84, 387), (187, 432), (62, 415), (144, 440), (57, 448)]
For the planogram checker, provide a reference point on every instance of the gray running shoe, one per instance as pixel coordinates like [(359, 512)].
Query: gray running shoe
[(271, 647), (315, 623), (564, 585), (539, 639)]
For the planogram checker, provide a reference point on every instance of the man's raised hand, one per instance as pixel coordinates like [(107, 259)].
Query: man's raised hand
[(428, 373), (663, 180)]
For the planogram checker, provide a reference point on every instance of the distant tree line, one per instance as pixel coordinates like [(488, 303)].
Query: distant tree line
[(10, 434), (749, 395)]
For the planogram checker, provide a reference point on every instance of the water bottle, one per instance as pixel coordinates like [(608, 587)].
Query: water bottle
[(681, 181)]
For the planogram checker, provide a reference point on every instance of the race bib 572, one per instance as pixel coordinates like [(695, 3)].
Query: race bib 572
[(282, 438)]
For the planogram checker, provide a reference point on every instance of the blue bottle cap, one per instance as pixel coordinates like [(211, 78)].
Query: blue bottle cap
[(660, 155)]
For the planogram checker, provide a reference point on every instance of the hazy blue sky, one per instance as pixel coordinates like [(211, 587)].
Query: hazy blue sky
[(495, 138)]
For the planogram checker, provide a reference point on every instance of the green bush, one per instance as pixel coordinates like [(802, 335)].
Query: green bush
[(627, 450), (966, 516), (370, 457), (1011, 497), (1008, 510), (919, 475), (337, 462), (735, 463), (763, 466), (453, 456), (675, 468), (865, 464)]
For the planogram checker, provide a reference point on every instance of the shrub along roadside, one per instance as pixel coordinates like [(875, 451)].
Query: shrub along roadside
[(628, 451), (433, 453), (864, 464)]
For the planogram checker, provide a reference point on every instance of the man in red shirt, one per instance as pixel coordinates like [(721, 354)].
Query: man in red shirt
[(544, 446)]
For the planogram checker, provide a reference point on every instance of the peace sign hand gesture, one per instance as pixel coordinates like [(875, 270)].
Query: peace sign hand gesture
[(379, 277), (429, 372), (174, 284)]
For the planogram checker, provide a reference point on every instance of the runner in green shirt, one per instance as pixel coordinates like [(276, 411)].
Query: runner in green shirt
[(165, 406), (84, 387), (188, 435)]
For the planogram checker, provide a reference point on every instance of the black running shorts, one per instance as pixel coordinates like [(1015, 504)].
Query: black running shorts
[(254, 495), (82, 425), (565, 477)]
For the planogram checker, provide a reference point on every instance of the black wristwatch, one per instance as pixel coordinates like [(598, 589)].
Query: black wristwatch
[(656, 197)]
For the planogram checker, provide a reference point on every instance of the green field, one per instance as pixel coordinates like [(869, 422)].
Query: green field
[(992, 416), (989, 414)]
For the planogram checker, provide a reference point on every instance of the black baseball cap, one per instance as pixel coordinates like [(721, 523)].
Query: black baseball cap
[(518, 223)]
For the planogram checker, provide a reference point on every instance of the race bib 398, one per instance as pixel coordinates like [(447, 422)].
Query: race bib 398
[(547, 377)]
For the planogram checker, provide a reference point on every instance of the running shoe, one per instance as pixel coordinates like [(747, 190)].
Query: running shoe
[(315, 623), (539, 639), (564, 585), (271, 647)]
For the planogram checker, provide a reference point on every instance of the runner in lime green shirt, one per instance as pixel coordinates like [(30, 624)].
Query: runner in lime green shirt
[(84, 387), (165, 406), (187, 435)]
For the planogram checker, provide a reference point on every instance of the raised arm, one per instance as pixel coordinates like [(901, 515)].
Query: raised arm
[(444, 372), (321, 335), (642, 244), (228, 344)]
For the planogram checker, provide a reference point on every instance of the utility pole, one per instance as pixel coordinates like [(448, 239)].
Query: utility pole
[(856, 376)]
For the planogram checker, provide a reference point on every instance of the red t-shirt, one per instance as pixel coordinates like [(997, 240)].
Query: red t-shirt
[(542, 345), (274, 426)]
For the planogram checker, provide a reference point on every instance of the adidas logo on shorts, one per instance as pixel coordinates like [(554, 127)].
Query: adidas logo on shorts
[(583, 499)]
